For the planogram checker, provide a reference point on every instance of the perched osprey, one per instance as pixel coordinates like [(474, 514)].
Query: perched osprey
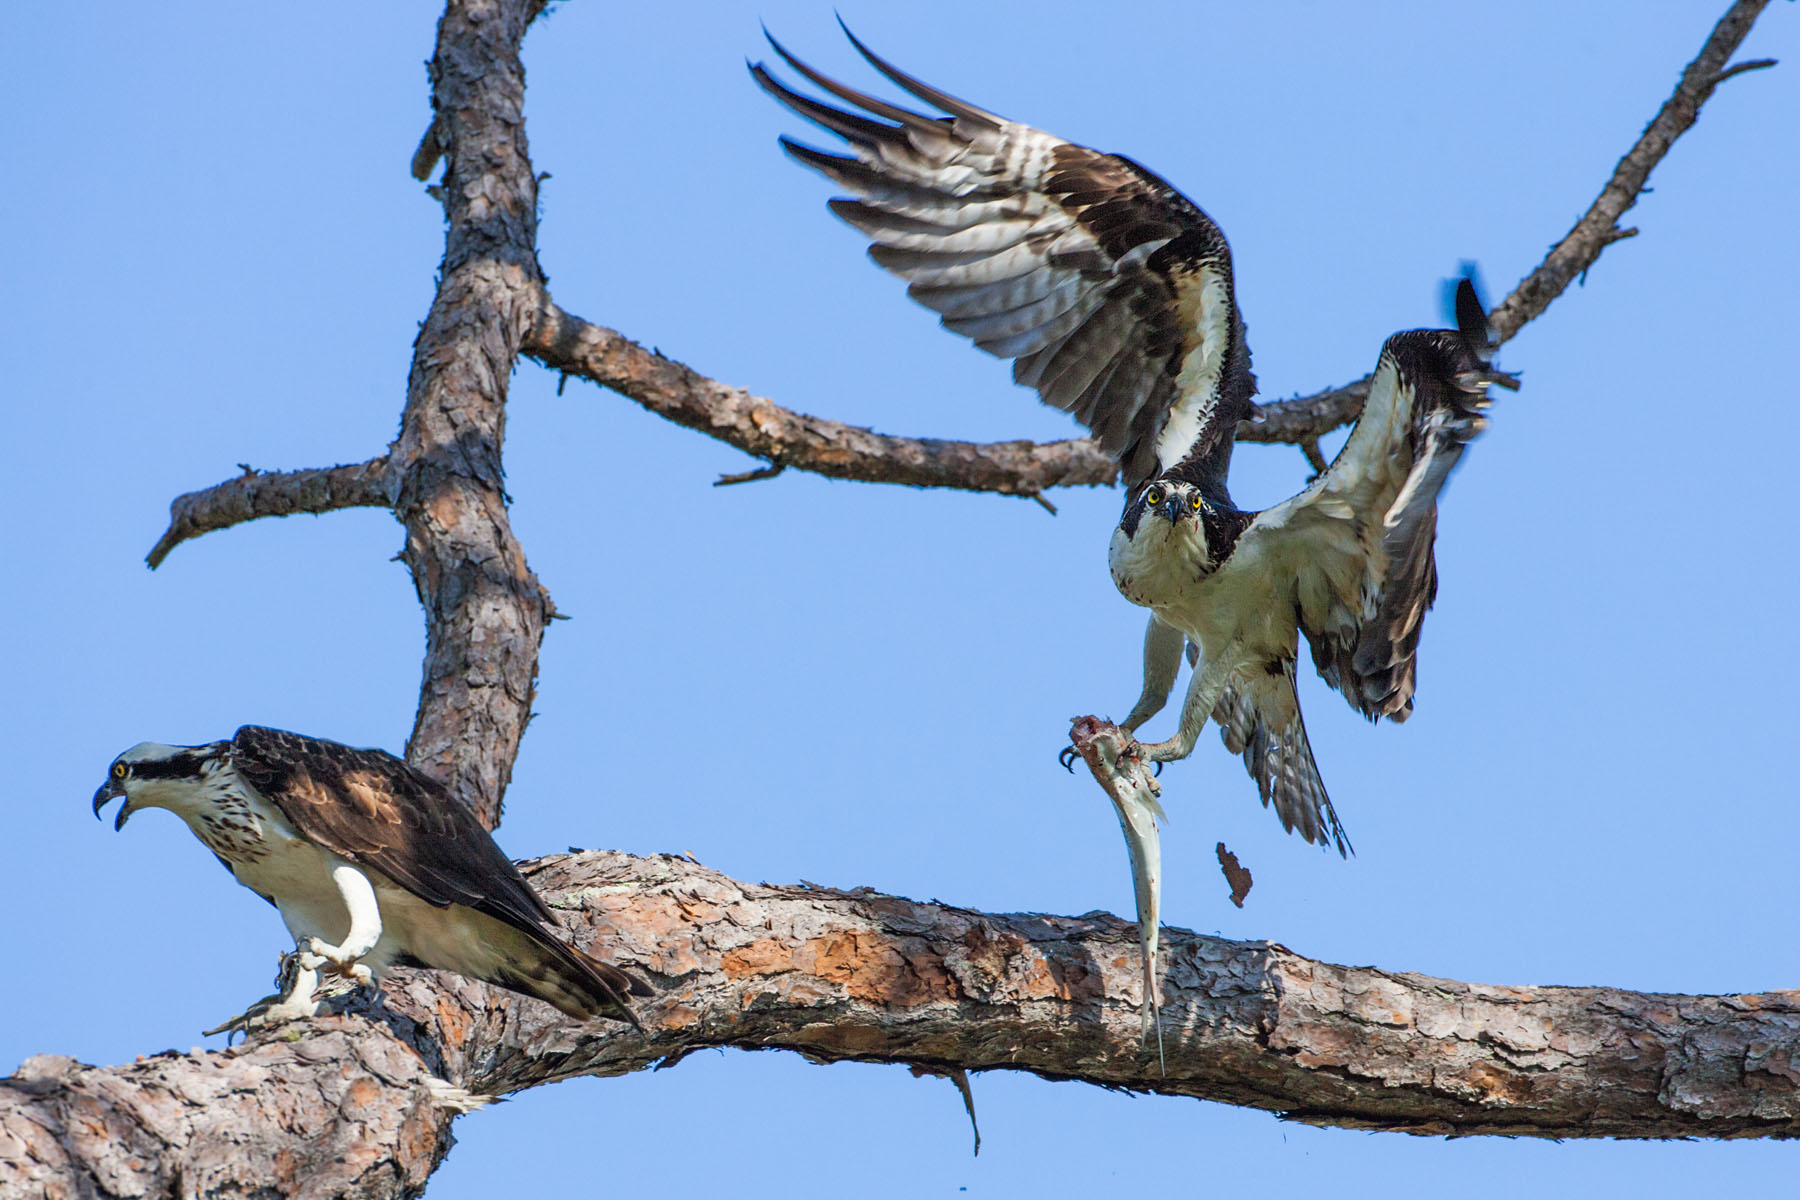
[(371, 862), (1112, 294)]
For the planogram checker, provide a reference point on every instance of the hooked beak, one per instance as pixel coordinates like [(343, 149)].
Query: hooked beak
[(1173, 508), (110, 791)]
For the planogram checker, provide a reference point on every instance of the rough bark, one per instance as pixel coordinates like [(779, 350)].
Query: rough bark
[(485, 611), (358, 1103), (273, 494), (339, 1107), (788, 439), (759, 426), (880, 978)]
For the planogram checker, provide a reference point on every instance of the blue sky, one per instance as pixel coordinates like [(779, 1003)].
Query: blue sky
[(217, 256)]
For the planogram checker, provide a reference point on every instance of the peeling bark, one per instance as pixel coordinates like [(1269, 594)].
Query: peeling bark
[(337, 1107), (360, 1103), (357, 1102)]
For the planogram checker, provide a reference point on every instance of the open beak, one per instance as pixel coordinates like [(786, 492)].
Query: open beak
[(109, 792)]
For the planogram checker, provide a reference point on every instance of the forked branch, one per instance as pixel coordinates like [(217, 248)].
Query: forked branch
[(764, 429), (361, 1104)]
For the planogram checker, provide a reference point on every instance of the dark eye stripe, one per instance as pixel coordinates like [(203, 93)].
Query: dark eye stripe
[(180, 766)]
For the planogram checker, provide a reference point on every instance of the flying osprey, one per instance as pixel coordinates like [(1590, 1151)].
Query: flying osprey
[(1112, 293), (371, 862)]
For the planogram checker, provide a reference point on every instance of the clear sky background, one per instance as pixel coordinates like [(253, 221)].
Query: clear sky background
[(215, 255)]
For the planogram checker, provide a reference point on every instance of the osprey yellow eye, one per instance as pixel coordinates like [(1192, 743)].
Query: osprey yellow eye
[(1197, 501), (1153, 497), (118, 770)]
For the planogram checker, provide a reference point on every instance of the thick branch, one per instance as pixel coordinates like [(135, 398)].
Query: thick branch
[(875, 977), (566, 343), (861, 975), (272, 494), (343, 1109), (350, 1106), (762, 428), (485, 611)]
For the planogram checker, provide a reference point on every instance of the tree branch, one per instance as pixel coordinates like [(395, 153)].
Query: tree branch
[(485, 611), (874, 977), (1304, 418), (337, 1107), (357, 1104), (566, 343), (861, 975), (272, 494), (1597, 229), (760, 427)]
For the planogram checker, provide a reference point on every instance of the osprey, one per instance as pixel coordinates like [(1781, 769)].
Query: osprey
[(1112, 293), (372, 864)]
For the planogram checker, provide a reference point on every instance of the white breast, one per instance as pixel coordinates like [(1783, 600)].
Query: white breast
[(1161, 565), (295, 874), (1243, 604)]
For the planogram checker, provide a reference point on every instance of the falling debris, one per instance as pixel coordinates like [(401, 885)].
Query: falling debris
[(1235, 874), (1113, 755)]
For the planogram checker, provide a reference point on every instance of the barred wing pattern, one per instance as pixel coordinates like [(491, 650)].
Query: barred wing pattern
[(1258, 716), (1352, 558), (1359, 540), (1110, 290)]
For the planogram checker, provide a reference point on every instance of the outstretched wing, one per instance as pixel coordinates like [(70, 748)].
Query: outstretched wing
[(1358, 541), (383, 814), (1258, 715), (1110, 290)]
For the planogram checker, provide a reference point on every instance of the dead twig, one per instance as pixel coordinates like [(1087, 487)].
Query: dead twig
[(255, 494), (768, 472)]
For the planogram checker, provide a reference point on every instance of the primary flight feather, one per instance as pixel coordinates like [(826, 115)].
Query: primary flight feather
[(1113, 295)]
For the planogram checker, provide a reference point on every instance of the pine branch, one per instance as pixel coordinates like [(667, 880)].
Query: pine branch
[(364, 1099)]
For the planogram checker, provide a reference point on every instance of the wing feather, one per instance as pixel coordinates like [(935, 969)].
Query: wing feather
[(976, 299), (1258, 715), (379, 811), (1006, 322), (1084, 268), (382, 813), (1359, 541)]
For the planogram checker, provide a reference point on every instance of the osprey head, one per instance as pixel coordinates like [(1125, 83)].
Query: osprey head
[(1169, 507), (1170, 500), (152, 775), (1171, 535)]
